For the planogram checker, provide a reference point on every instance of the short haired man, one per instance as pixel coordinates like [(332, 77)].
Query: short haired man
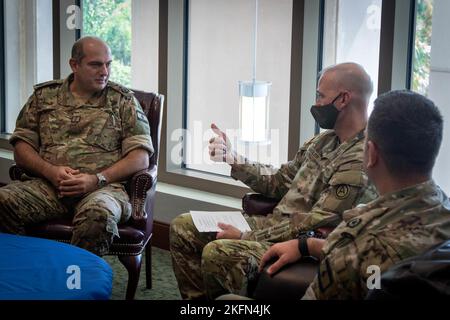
[(411, 215), (324, 179), (79, 138)]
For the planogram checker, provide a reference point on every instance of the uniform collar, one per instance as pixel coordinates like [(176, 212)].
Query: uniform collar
[(66, 98), (333, 148)]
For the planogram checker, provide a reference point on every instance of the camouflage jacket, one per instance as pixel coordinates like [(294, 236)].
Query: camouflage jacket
[(323, 180), (90, 136), (389, 229)]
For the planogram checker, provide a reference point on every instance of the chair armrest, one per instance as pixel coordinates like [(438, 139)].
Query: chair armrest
[(256, 203), (16, 172), (289, 283), (137, 188)]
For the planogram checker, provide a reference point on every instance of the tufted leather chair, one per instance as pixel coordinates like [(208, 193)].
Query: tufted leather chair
[(136, 234), (289, 283)]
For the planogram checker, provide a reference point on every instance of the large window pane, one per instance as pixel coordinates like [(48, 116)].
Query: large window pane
[(422, 47), (130, 28), (352, 34), (28, 36), (431, 71), (111, 21), (220, 53)]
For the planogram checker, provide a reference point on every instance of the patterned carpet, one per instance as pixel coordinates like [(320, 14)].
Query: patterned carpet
[(164, 282)]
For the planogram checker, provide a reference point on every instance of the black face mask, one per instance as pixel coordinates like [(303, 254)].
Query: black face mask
[(326, 115)]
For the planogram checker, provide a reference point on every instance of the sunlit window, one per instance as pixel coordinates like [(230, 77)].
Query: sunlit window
[(352, 34)]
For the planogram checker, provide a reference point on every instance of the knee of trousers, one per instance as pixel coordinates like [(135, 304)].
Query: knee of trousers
[(216, 252), (182, 229), (10, 218), (92, 223), (6, 199)]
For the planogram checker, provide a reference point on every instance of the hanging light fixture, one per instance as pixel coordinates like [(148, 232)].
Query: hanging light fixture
[(254, 101)]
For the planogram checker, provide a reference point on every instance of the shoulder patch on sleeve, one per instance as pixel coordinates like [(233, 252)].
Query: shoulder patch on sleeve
[(141, 116), (342, 191), (121, 89), (48, 84)]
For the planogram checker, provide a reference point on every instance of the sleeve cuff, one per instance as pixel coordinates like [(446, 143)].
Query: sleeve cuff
[(28, 136), (135, 142)]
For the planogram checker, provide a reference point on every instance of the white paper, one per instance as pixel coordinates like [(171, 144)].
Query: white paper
[(207, 221)]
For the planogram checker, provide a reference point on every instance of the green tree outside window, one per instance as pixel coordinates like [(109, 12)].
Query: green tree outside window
[(422, 47), (111, 21)]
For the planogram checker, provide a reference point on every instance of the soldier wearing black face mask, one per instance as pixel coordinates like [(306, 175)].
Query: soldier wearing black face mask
[(343, 93), (326, 115)]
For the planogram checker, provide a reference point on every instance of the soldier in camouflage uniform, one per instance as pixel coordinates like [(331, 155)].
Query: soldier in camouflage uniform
[(324, 179), (411, 215), (79, 138)]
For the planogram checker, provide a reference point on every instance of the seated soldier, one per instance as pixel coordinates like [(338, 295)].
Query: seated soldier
[(411, 215), (323, 180), (79, 138)]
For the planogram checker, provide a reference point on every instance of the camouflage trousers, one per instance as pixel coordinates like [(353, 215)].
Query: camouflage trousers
[(206, 267), (95, 215)]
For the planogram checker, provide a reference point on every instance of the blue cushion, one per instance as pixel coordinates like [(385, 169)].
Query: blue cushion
[(34, 268)]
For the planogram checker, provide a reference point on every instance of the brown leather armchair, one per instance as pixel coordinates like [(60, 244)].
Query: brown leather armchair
[(136, 234), (291, 282)]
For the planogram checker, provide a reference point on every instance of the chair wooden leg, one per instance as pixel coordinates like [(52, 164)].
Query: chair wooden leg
[(148, 264), (133, 266)]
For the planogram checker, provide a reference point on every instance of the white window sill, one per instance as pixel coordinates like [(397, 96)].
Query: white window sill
[(199, 195), (208, 176)]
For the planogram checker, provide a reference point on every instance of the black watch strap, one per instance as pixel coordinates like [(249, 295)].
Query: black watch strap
[(303, 247), (303, 242)]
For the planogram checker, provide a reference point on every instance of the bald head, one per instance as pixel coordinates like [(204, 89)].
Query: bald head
[(352, 77), (80, 46)]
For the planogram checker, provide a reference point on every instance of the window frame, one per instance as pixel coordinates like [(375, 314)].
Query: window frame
[(396, 45)]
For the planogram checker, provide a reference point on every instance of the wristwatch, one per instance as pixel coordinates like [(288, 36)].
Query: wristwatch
[(101, 180), (303, 242)]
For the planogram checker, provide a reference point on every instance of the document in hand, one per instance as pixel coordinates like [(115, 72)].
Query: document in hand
[(206, 221)]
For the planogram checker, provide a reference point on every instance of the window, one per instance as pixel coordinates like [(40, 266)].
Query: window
[(28, 37), (111, 21), (431, 70), (422, 47), (352, 33), (219, 54), (130, 28)]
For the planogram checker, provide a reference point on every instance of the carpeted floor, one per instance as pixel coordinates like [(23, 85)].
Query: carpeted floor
[(164, 282)]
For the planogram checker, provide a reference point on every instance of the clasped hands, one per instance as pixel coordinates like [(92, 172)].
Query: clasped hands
[(70, 182)]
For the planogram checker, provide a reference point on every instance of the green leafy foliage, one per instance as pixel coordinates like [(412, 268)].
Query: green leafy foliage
[(111, 21), (422, 51)]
